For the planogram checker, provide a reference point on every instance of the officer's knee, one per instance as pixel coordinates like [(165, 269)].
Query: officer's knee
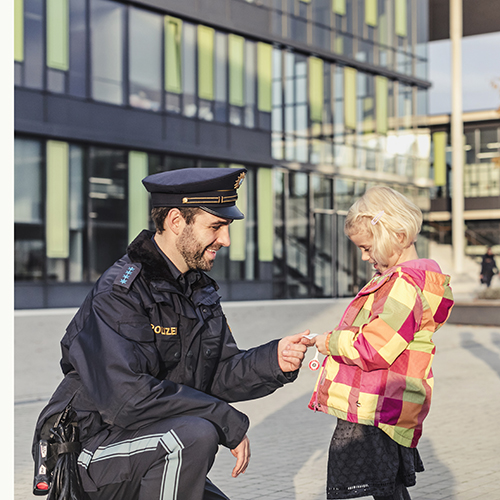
[(199, 433)]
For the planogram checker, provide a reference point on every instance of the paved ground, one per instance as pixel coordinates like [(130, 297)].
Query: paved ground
[(460, 446)]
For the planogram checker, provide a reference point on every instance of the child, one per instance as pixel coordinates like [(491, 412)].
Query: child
[(377, 378)]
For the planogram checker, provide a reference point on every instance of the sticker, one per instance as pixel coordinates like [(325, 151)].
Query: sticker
[(314, 363)]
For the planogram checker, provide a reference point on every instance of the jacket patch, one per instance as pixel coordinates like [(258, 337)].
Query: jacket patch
[(164, 330), (127, 275)]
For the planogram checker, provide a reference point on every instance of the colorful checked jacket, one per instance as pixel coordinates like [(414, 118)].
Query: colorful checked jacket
[(379, 368)]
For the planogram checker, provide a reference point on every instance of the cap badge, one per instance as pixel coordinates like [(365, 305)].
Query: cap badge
[(239, 180)]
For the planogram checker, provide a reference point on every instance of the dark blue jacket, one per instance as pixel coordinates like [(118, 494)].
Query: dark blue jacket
[(143, 347)]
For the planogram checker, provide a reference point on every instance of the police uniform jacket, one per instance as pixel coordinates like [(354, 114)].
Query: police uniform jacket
[(145, 347)]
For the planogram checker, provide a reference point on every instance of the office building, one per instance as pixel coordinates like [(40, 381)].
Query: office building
[(318, 99)]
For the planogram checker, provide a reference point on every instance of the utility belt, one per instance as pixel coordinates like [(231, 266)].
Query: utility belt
[(56, 469)]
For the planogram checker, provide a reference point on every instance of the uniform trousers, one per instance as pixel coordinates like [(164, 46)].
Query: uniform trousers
[(166, 460)]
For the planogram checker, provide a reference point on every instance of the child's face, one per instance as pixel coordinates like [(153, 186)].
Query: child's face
[(364, 241)]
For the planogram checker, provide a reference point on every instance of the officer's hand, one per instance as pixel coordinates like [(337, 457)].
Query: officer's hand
[(291, 352), (242, 454)]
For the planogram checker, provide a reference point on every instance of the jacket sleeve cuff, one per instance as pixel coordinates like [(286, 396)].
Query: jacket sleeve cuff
[(327, 343)]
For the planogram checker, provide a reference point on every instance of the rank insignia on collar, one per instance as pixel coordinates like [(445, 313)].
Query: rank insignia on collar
[(127, 275)]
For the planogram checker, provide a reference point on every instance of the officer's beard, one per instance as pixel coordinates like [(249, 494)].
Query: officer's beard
[(193, 252)]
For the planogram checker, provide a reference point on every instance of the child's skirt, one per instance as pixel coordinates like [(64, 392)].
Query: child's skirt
[(363, 460)]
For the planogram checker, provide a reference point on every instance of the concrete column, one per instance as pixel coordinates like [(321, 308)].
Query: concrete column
[(457, 132)]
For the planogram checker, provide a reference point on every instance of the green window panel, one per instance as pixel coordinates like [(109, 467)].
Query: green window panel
[(236, 70), (238, 228), (338, 6), (265, 76), (368, 122), (439, 139), (339, 44), (58, 34), (173, 55), (206, 62), (138, 200), (382, 104), (371, 12), (316, 93), (383, 28), (57, 209), (19, 30), (265, 214), (400, 17), (350, 97)]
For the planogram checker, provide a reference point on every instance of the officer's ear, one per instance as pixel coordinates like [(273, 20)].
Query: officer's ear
[(174, 221)]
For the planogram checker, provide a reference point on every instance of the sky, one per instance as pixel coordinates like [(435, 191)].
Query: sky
[(480, 67)]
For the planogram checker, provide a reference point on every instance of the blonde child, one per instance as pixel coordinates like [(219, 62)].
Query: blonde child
[(377, 378)]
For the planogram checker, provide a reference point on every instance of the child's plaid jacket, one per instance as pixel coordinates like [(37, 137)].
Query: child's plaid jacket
[(379, 368)]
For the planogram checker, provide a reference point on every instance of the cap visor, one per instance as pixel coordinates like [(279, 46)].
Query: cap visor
[(225, 212)]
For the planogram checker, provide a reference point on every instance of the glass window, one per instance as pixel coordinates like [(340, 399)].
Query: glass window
[(189, 70), (365, 104), (265, 195), (27, 182), (77, 214), (145, 57), (107, 25), (422, 34), (34, 59), (488, 145), (322, 192), (384, 34), (338, 114), (173, 64), (405, 108), (250, 75), (236, 78), (279, 268), (78, 48), (265, 84), (344, 194), (28, 210), (302, 123), (107, 208), (321, 15), (470, 146), (297, 247), (220, 77), (277, 103)]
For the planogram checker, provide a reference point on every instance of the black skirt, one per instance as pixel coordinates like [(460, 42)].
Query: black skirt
[(363, 460)]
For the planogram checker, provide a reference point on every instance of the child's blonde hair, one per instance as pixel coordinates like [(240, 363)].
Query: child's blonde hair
[(389, 217)]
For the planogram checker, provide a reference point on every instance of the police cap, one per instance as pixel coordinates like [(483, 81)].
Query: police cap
[(214, 190)]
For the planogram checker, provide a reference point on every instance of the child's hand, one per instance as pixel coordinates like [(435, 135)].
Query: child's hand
[(318, 340)]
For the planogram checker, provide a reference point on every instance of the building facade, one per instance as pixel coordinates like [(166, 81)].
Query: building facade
[(318, 99), (481, 181)]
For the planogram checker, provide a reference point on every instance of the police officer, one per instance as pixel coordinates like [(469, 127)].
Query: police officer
[(150, 364)]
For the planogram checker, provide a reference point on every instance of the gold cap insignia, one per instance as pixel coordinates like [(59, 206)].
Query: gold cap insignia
[(239, 180)]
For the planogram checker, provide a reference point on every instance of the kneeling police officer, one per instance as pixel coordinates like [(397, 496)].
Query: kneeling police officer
[(150, 364)]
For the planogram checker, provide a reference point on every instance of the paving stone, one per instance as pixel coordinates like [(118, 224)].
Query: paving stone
[(289, 443)]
